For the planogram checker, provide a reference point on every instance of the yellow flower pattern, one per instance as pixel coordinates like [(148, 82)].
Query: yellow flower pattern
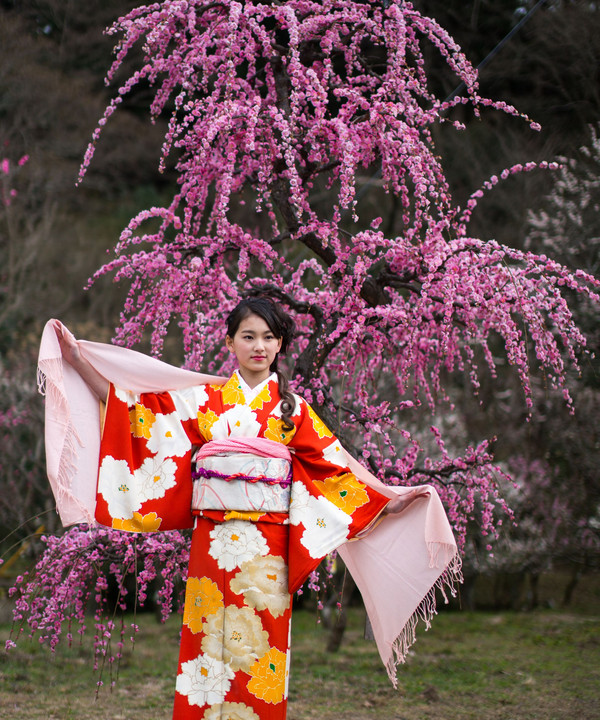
[(319, 426), (264, 396), (138, 523), (141, 420), (268, 676), (202, 598), (232, 392), (205, 422), (276, 432), (345, 491)]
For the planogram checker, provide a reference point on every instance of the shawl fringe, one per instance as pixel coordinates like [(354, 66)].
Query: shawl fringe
[(50, 384), (427, 609)]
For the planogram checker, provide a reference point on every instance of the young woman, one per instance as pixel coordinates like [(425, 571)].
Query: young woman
[(269, 492)]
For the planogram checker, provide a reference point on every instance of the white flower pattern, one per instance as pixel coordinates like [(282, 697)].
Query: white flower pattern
[(167, 437), (325, 525), (119, 488), (204, 680), (155, 477), (334, 454), (238, 421), (234, 542), (188, 400), (126, 396)]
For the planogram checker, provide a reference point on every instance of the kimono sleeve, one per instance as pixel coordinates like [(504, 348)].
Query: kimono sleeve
[(329, 504), (144, 479)]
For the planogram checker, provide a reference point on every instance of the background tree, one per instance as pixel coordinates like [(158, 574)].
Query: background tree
[(557, 499), (272, 104), (278, 111)]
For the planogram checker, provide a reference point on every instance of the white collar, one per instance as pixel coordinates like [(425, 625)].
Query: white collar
[(251, 393)]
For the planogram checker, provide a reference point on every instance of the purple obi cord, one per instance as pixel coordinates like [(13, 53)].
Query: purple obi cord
[(204, 473)]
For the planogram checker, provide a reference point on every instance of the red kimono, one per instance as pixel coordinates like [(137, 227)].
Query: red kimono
[(253, 543)]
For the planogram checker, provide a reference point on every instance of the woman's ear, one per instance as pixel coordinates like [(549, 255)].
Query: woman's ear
[(229, 343)]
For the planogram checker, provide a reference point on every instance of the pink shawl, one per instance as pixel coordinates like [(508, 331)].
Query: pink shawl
[(397, 564)]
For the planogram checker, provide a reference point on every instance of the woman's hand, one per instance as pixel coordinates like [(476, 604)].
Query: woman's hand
[(68, 345), (400, 502), (71, 353)]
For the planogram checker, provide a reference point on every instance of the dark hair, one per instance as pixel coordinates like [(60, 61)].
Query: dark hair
[(282, 326)]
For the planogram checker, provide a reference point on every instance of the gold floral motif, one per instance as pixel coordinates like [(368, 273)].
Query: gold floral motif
[(232, 392), (205, 422), (276, 432), (138, 523), (236, 636), (345, 491), (268, 677), (141, 420), (263, 581), (230, 711), (319, 426), (264, 396), (202, 598)]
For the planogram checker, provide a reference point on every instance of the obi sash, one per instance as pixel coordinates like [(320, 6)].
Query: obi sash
[(242, 474)]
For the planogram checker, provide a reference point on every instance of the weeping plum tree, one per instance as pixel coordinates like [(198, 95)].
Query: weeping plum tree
[(275, 107), (276, 110)]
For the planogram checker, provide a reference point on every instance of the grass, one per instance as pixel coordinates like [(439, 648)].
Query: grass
[(510, 666), (498, 666)]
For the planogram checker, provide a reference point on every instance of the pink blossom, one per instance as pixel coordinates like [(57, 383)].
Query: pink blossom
[(276, 105)]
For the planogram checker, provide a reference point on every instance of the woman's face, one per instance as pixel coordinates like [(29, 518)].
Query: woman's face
[(255, 348)]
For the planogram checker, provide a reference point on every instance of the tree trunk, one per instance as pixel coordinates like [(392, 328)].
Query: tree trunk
[(570, 587), (534, 600), (338, 626)]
